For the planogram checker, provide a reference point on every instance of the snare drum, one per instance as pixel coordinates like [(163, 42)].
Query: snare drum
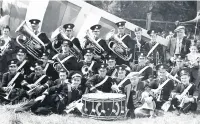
[(105, 106)]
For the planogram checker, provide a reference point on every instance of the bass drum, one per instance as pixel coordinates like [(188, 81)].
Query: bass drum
[(104, 106)]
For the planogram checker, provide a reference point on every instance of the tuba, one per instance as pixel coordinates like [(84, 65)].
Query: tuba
[(32, 43), (118, 43), (74, 50)]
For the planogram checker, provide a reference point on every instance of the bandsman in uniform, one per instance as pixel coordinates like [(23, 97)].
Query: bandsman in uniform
[(179, 65), (48, 68), (125, 40), (164, 93), (43, 37), (100, 82), (185, 94), (35, 80), (23, 63), (102, 48), (68, 32), (122, 72), (78, 85), (157, 56), (66, 58), (11, 83), (111, 62), (143, 62), (141, 46), (45, 42), (88, 66), (8, 50), (53, 100)]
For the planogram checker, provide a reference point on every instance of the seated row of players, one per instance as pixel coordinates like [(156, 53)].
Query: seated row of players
[(37, 83)]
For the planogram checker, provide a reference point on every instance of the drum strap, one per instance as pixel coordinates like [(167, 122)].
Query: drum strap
[(65, 59), (23, 63), (40, 79), (99, 84)]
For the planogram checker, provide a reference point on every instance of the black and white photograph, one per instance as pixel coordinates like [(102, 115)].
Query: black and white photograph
[(99, 62)]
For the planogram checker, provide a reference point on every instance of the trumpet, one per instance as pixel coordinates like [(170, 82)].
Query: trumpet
[(72, 106), (8, 95), (117, 43)]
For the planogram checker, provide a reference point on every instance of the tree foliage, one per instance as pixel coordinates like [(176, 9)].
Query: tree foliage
[(161, 11)]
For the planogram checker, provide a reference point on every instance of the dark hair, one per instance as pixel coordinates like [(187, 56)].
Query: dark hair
[(6, 27)]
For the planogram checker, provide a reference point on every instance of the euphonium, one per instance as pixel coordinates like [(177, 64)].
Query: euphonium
[(32, 43), (117, 43), (73, 50), (93, 42)]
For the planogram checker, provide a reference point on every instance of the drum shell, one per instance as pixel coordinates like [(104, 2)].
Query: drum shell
[(93, 107)]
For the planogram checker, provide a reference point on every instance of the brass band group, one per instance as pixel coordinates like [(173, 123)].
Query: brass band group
[(120, 76)]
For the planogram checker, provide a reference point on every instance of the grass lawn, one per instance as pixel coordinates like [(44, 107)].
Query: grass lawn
[(7, 116)]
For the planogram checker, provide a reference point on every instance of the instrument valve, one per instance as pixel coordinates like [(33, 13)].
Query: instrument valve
[(93, 110), (85, 109), (103, 111), (113, 111)]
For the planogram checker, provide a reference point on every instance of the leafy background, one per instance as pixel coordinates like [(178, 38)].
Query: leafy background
[(169, 11)]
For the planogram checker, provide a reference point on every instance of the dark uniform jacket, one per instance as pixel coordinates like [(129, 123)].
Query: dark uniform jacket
[(105, 87), (32, 78), (130, 43), (75, 41), (145, 48), (7, 77), (48, 45), (103, 44), (71, 63), (26, 67), (51, 72), (166, 91), (181, 87), (148, 73), (95, 67), (110, 71)]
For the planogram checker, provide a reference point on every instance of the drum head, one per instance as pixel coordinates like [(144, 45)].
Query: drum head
[(104, 96)]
